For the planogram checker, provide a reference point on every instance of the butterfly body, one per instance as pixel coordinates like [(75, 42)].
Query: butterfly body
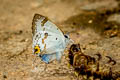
[(48, 40)]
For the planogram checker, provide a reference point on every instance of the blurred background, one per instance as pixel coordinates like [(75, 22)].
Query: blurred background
[(95, 24)]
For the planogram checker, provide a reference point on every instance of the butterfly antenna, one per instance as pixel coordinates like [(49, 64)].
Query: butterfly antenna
[(71, 41), (67, 33)]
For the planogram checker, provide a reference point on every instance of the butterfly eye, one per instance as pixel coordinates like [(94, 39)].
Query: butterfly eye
[(37, 49), (65, 36)]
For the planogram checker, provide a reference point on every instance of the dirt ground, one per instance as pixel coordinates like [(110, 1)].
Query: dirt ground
[(95, 24)]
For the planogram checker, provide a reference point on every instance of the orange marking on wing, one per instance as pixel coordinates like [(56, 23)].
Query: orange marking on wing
[(42, 41), (45, 47)]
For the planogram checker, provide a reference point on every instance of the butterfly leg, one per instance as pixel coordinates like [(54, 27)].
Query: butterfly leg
[(59, 55)]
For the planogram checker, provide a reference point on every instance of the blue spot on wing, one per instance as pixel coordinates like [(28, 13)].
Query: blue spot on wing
[(46, 58)]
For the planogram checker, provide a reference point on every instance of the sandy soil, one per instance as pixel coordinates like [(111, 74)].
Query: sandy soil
[(95, 24)]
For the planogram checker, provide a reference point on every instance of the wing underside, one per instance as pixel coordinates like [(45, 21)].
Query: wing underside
[(47, 35)]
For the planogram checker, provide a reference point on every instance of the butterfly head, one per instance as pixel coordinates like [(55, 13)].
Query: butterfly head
[(68, 39)]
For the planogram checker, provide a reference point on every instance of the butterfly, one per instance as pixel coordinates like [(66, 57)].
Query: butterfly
[(49, 42)]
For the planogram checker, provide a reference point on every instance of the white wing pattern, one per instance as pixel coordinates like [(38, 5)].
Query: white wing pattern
[(48, 40)]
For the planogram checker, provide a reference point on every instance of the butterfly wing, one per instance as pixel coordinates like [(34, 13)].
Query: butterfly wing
[(47, 35)]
